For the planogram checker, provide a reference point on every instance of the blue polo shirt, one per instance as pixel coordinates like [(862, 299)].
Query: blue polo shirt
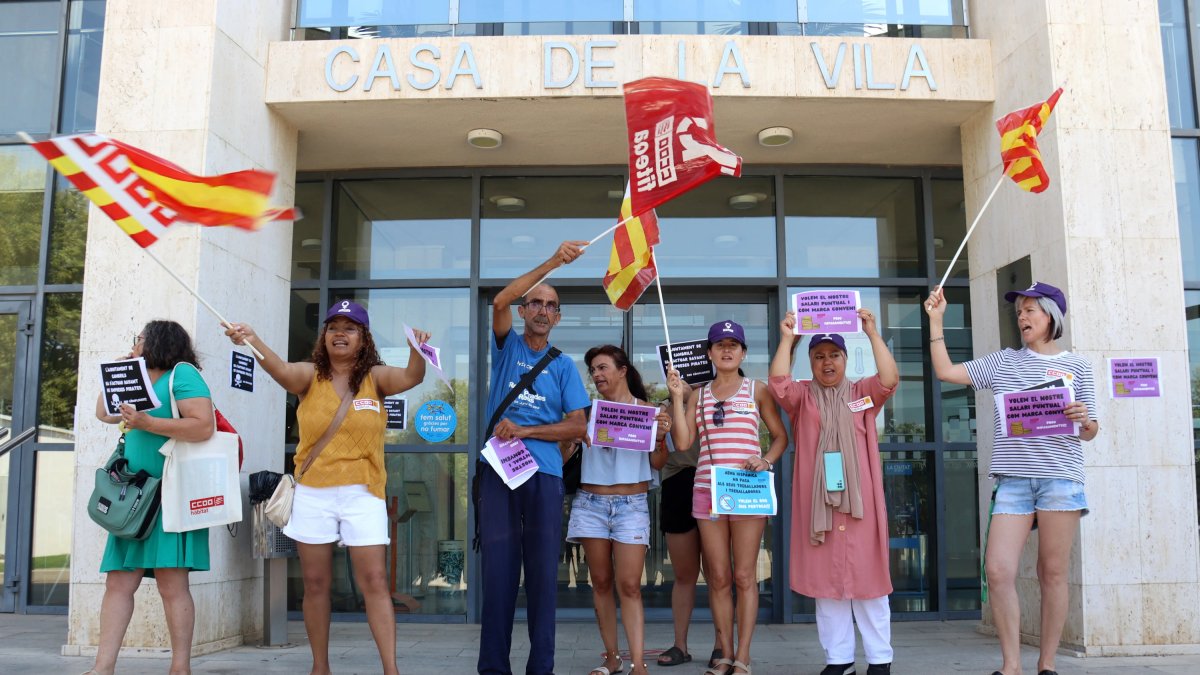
[(559, 390)]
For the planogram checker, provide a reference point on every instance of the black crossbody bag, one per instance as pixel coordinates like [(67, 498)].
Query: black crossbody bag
[(526, 382)]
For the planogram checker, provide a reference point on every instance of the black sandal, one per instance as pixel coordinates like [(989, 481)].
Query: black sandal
[(674, 656), (717, 655)]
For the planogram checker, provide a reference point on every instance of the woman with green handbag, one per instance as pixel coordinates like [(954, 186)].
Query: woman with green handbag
[(168, 557)]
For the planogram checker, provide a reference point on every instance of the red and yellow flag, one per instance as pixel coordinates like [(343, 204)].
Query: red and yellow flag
[(145, 194), (631, 267), (1018, 144)]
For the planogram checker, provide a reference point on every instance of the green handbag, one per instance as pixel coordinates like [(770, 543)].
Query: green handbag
[(122, 502)]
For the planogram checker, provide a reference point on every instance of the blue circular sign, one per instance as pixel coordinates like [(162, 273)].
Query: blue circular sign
[(435, 421)]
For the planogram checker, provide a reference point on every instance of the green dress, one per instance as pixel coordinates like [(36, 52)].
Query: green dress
[(160, 549)]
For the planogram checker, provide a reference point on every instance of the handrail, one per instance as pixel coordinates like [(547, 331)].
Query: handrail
[(17, 440)]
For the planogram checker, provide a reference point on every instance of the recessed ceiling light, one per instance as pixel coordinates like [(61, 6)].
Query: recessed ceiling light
[(774, 137), (486, 139), (507, 203), (746, 201)]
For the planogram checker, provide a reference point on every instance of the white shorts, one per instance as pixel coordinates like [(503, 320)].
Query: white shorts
[(349, 514)]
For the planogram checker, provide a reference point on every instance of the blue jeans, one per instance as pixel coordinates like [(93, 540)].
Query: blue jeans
[(522, 526)]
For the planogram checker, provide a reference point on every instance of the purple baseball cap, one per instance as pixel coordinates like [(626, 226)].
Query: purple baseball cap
[(351, 310), (1040, 289), (837, 340), (726, 329)]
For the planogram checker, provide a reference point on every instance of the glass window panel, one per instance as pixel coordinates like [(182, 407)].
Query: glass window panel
[(949, 226), (502, 11), (403, 229), (961, 486), (1186, 158), (68, 234), (406, 31), (59, 368), (22, 188), (8, 370), (715, 10), (937, 12), (958, 401), (322, 13), (1192, 299), (29, 46), (724, 228), (1177, 62), (50, 558), (559, 28), (693, 28), (525, 219), (427, 524), (912, 530), (898, 314), (852, 227), (4, 483), (306, 232), (85, 40), (304, 318)]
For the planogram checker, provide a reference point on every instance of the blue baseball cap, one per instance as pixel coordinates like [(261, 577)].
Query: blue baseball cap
[(726, 329), (1040, 289), (820, 338), (351, 310)]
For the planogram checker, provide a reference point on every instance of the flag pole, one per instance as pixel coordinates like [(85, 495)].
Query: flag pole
[(662, 308), (594, 240), (196, 295), (975, 222)]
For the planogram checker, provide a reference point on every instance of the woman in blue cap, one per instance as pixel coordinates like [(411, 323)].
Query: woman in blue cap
[(726, 414), (1039, 479)]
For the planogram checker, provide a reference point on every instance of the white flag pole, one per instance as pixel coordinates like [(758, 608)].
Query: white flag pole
[(594, 240), (663, 309), (971, 229)]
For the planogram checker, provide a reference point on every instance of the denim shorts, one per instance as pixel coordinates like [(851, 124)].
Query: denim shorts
[(621, 518), (1019, 496)]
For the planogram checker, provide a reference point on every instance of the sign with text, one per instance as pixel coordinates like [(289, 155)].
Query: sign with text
[(511, 460), (1134, 378), (241, 371), (431, 354), (691, 360), (127, 382), (1038, 412), (435, 421), (397, 413), (624, 426), (826, 312), (743, 493)]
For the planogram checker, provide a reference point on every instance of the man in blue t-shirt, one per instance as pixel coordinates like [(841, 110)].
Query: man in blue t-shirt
[(524, 526)]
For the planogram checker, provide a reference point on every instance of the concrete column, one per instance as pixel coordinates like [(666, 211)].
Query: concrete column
[(1106, 232), (186, 81)]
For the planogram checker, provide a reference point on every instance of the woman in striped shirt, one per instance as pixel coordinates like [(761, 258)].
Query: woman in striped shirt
[(1039, 479), (726, 414)]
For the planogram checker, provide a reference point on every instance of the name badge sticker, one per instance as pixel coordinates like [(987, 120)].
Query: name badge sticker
[(366, 404), (743, 407), (1053, 373), (864, 403)]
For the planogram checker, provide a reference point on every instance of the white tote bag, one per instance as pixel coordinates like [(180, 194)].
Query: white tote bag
[(200, 485)]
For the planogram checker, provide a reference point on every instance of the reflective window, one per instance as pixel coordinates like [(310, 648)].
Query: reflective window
[(4, 471), (557, 28), (85, 39), (22, 188), (938, 12), (715, 10), (321, 13), (1177, 62), (690, 321), (50, 558), (59, 368), (306, 232), (501, 11), (909, 491), (693, 28), (1192, 299), (9, 338), (29, 46), (961, 497), (898, 316), (724, 228), (1186, 158), (304, 318), (68, 234), (403, 229), (852, 227), (958, 401), (949, 226)]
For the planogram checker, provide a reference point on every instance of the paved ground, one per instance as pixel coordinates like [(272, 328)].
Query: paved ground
[(32, 644)]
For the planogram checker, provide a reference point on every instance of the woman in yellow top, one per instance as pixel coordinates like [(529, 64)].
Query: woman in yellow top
[(340, 497)]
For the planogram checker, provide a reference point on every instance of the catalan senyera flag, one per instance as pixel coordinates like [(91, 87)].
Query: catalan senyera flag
[(631, 267), (1018, 144), (145, 194)]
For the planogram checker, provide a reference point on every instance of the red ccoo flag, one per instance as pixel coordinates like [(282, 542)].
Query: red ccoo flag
[(1018, 144)]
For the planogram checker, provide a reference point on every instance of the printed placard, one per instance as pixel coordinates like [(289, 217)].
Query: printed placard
[(691, 360), (397, 413), (826, 312), (435, 421), (623, 425), (511, 460), (1134, 377), (241, 371), (1038, 412), (431, 354), (127, 381), (744, 493)]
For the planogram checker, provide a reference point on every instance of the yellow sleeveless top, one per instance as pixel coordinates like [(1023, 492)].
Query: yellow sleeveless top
[(354, 455)]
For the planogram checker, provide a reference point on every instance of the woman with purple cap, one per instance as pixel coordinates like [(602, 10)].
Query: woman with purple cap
[(839, 538), (726, 414), (1039, 480), (341, 476)]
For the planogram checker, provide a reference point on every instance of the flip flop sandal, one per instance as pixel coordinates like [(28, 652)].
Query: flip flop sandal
[(603, 670), (718, 664), (717, 655), (674, 656), (738, 665)]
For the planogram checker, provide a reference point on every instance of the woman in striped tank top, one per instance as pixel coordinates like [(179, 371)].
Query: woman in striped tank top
[(725, 414)]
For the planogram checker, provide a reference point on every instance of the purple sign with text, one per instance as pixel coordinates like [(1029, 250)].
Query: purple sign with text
[(1134, 378), (625, 426), (826, 312), (1036, 413), (513, 458)]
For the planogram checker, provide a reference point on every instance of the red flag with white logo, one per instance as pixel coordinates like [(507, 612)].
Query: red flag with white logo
[(672, 141)]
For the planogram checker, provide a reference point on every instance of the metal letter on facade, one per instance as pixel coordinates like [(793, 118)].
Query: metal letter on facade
[(424, 65), (334, 85), (590, 63), (548, 81)]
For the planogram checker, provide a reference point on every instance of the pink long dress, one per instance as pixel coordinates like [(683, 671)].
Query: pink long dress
[(853, 561)]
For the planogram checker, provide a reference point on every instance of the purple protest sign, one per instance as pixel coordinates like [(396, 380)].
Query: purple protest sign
[(623, 425), (511, 460), (1038, 412), (1134, 378), (826, 312)]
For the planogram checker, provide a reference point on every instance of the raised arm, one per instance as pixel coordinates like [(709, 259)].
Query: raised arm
[(885, 363), (781, 363), (293, 377), (393, 379), (567, 252), (945, 369), (683, 410)]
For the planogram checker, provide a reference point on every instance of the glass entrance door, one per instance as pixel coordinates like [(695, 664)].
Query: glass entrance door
[(15, 330)]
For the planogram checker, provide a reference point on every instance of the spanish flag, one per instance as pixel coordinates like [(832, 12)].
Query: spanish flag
[(631, 267), (1018, 144)]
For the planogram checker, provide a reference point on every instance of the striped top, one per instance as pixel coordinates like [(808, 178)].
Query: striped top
[(1012, 370), (732, 443)]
